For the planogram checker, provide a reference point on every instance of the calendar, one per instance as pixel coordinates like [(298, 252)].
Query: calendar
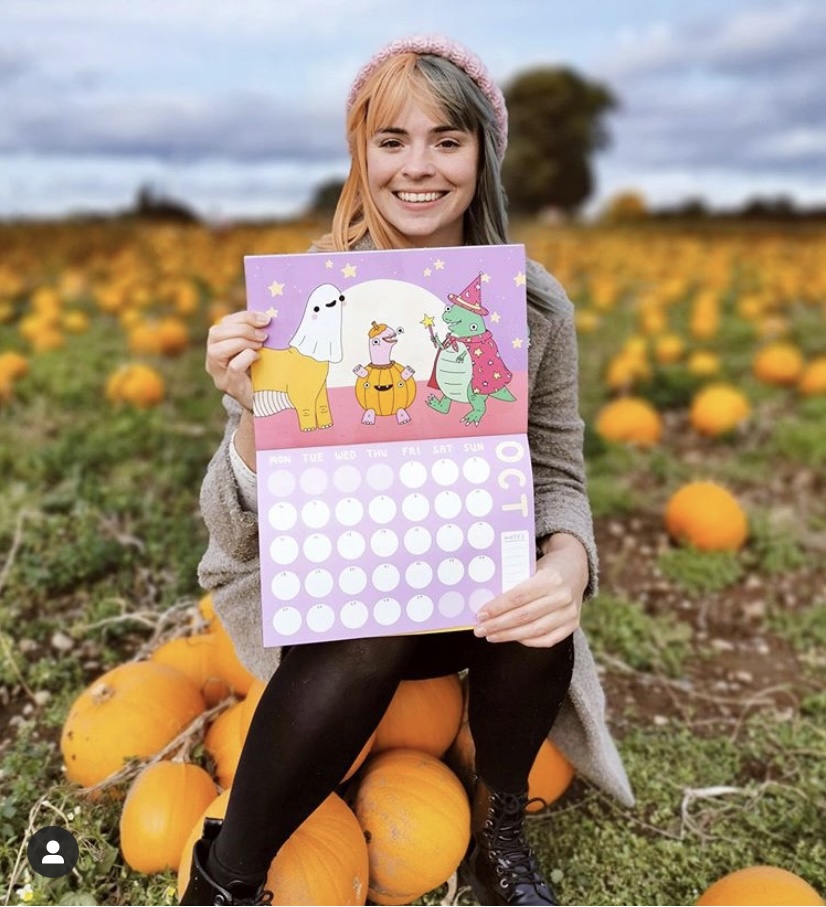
[(390, 400)]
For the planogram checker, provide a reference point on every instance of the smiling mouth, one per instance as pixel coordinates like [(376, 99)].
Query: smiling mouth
[(419, 197)]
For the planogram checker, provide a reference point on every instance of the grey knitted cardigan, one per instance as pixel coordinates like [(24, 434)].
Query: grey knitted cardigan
[(230, 565)]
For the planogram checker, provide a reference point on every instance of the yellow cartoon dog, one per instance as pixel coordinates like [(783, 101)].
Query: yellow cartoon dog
[(296, 378)]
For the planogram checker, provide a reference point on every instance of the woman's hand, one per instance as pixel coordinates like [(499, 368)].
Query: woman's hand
[(544, 609), (232, 347)]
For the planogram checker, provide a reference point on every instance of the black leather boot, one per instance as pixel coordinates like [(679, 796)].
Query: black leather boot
[(204, 890), (500, 866)]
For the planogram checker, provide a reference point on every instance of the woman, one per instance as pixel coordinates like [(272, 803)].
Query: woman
[(427, 130)]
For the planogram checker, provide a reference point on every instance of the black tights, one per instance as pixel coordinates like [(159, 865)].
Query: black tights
[(326, 699)]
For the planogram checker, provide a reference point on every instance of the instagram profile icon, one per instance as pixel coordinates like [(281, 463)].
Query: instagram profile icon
[(52, 851)]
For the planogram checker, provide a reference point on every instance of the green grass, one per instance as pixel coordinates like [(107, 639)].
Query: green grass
[(802, 442), (700, 571), (623, 629), (705, 806), (775, 547), (804, 628)]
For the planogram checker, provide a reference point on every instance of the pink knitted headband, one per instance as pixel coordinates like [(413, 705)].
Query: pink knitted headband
[(466, 61)]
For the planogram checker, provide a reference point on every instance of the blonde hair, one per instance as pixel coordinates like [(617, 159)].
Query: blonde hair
[(443, 90)]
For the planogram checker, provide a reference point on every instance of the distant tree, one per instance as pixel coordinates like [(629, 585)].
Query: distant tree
[(149, 204), (555, 125), (693, 208), (780, 207)]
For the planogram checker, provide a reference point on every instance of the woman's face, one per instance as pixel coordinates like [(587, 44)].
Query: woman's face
[(422, 176)]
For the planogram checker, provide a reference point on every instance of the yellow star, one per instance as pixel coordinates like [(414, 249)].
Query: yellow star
[(497, 374), (276, 288), (486, 278), (519, 280), (273, 313), (427, 272), (477, 352), (495, 317), (328, 263), (349, 270), (439, 265), (428, 321), (517, 343)]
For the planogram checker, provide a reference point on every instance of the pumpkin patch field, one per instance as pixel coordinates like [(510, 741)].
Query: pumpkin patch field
[(123, 706)]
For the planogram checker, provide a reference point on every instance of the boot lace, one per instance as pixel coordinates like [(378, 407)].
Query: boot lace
[(515, 861), (261, 897)]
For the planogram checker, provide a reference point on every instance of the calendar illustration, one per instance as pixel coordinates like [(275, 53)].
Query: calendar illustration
[(390, 400)]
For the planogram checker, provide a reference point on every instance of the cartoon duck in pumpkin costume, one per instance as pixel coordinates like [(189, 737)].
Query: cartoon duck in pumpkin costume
[(384, 388)]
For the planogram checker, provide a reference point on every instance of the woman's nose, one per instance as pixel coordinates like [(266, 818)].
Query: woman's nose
[(418, 164)]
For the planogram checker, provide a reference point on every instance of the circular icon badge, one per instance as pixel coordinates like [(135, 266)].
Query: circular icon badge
[(52, 851)]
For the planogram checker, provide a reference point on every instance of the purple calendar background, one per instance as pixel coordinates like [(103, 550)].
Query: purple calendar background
[(410, 284)]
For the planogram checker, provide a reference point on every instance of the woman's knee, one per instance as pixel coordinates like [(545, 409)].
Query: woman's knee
[(516, 659)]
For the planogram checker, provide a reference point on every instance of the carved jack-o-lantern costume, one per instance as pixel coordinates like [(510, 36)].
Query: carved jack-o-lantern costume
[(384, 389)]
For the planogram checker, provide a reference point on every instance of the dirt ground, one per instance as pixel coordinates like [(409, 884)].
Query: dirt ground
[(739, 664)]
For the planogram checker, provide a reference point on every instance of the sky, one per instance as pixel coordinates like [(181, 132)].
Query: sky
[(238, 108)]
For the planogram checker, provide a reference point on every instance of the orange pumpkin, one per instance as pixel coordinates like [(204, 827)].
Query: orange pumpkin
[(195, 657), (224, 741), (416, 819), (718, 408), (550, 776), (629, 420), (207, 611), (143, 339), (163, 803), (173, 336), (138, 385), (75, 321), (669, 348), (225, 737), (760, 885), (227, 664), (134, 710), (323, 862), (13, 365), (423, 715), (703, 363), (361, 758), (707, 516), (778, 363), (813, 379), (250, 702)]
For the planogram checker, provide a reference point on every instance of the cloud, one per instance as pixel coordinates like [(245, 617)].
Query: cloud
[(742, 94), (177, 127), (756, 41), (214, 189), (13, 64)]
